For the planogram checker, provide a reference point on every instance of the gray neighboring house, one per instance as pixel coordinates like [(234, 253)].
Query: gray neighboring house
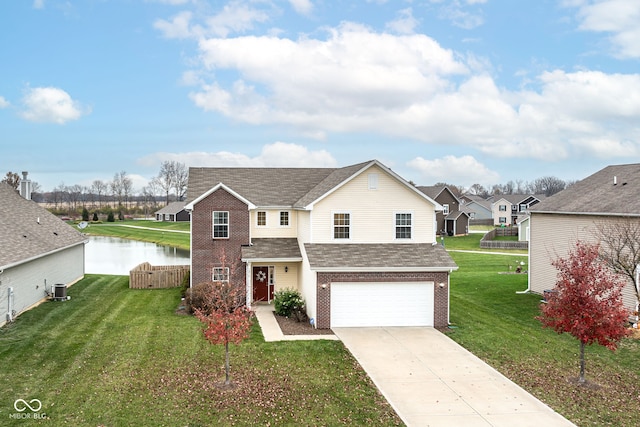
[(37, 252), (574, 214), (173, 212), (477, 207)]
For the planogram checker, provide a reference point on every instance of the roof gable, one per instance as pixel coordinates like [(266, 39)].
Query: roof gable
[(219, 186), (29, 231)]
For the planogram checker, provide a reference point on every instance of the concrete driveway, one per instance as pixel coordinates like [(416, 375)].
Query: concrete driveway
[(430, 380)]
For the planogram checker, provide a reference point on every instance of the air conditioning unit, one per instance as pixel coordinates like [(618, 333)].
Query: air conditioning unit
[(59, 292)]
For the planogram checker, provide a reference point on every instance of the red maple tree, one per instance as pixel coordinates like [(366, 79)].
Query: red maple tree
[(226, 317), (587, 302)]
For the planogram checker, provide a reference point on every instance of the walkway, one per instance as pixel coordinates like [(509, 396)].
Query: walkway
[(271, 330)]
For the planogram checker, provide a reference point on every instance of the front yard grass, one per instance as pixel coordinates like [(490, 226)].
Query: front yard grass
[(499, 326), (115, 356)]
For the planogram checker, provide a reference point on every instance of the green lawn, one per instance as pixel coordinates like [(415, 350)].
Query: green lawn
[(120, 357), (498, 325), (162, 233)]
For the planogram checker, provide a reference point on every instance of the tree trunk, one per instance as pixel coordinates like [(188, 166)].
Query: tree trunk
[(226, 363), (581, 378)]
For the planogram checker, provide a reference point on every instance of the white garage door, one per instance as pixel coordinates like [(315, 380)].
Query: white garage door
[(381, 304)]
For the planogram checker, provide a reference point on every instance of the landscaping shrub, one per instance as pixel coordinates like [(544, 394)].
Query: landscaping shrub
[(289, 303), (95, 216), (85, 214), (110, 217), (197, 296)]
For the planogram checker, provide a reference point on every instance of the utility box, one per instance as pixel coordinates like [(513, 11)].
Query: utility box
[(59, 292)]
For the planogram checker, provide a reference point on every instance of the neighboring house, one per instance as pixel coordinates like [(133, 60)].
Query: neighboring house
[(507, 207), (477, 207), (173, 212), (358, 242), (37, 252), (523, 223), (452, 220), (575, 214)]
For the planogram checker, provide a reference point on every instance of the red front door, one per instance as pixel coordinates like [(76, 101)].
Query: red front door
[(260, 283)]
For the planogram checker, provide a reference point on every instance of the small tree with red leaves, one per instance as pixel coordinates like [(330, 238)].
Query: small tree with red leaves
[(226, 317), (587, 302)]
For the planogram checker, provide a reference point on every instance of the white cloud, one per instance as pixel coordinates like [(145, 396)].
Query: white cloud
[(303, 7), (460, 15), (405, 23), (464, 171), (278, 154), (4, 103), (235, 17), (620, 18), (51, 105), (38, 4)]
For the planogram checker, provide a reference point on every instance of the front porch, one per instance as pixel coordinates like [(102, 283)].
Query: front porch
[(271, 265)]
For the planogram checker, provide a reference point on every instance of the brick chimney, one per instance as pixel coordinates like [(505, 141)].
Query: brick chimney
[(25, 186)]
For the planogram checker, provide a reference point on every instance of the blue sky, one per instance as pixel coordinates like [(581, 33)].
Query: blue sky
[(460, 91)]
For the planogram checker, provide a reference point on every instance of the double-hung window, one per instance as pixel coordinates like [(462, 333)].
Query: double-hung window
[(220, 225), (220, 274), (445, 209), (341, 225), (284, 219), (262, 219), (403, 226), (502, 208)]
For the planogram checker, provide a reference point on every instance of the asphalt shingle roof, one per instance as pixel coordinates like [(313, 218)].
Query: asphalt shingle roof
[(276, 248), (264, 187), (172, 208), (379, 255), (597, 194), (28, 230)]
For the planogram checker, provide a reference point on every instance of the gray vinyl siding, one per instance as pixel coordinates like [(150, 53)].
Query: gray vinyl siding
[(552, 236), (31, 280)]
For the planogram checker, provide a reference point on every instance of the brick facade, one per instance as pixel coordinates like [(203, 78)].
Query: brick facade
[(205, 250), (440, 300)]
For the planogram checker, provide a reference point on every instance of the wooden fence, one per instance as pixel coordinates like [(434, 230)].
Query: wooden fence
[(487, 241), (147, 276)]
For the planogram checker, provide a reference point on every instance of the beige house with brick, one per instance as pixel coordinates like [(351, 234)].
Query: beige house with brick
[(358, 242), (555, 224)]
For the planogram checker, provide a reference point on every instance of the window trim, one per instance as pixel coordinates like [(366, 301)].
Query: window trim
[(225, 273), (258, 218), (502, 208), (445, 209), (500, 220), (349, 226), (396, 226), (213, 225), (288, 224)]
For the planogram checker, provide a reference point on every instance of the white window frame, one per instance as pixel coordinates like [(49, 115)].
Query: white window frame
[(396, 226), (288, 224), (445, 209), (213, 225), (502, 208), (258, 218), (220, 274), (523, 207), (349, 226), (502, 220)]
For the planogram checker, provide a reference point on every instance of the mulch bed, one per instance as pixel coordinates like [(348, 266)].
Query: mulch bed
[(291, 326)]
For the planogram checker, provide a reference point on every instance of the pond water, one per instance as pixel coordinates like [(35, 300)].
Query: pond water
[(113, 255)]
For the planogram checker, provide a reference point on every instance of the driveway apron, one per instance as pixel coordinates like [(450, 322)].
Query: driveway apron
[(430, 380)]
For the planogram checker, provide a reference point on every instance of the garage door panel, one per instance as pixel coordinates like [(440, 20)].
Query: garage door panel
[(361, 304)]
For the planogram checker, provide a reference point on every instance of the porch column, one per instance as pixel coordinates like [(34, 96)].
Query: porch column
[(247, 280)]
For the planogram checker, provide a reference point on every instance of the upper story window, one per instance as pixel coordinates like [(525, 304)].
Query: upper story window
[(445, 209), (341, 225), (502, 208), (403, 226), (284, 219), (523, 207), (262, 219), (220, 274), (220, 225)]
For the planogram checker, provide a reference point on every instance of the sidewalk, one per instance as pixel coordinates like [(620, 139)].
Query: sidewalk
[(271, 329)]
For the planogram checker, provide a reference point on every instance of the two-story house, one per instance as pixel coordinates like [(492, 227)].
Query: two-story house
[(508, 207), (358, 242), (453, 219)]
